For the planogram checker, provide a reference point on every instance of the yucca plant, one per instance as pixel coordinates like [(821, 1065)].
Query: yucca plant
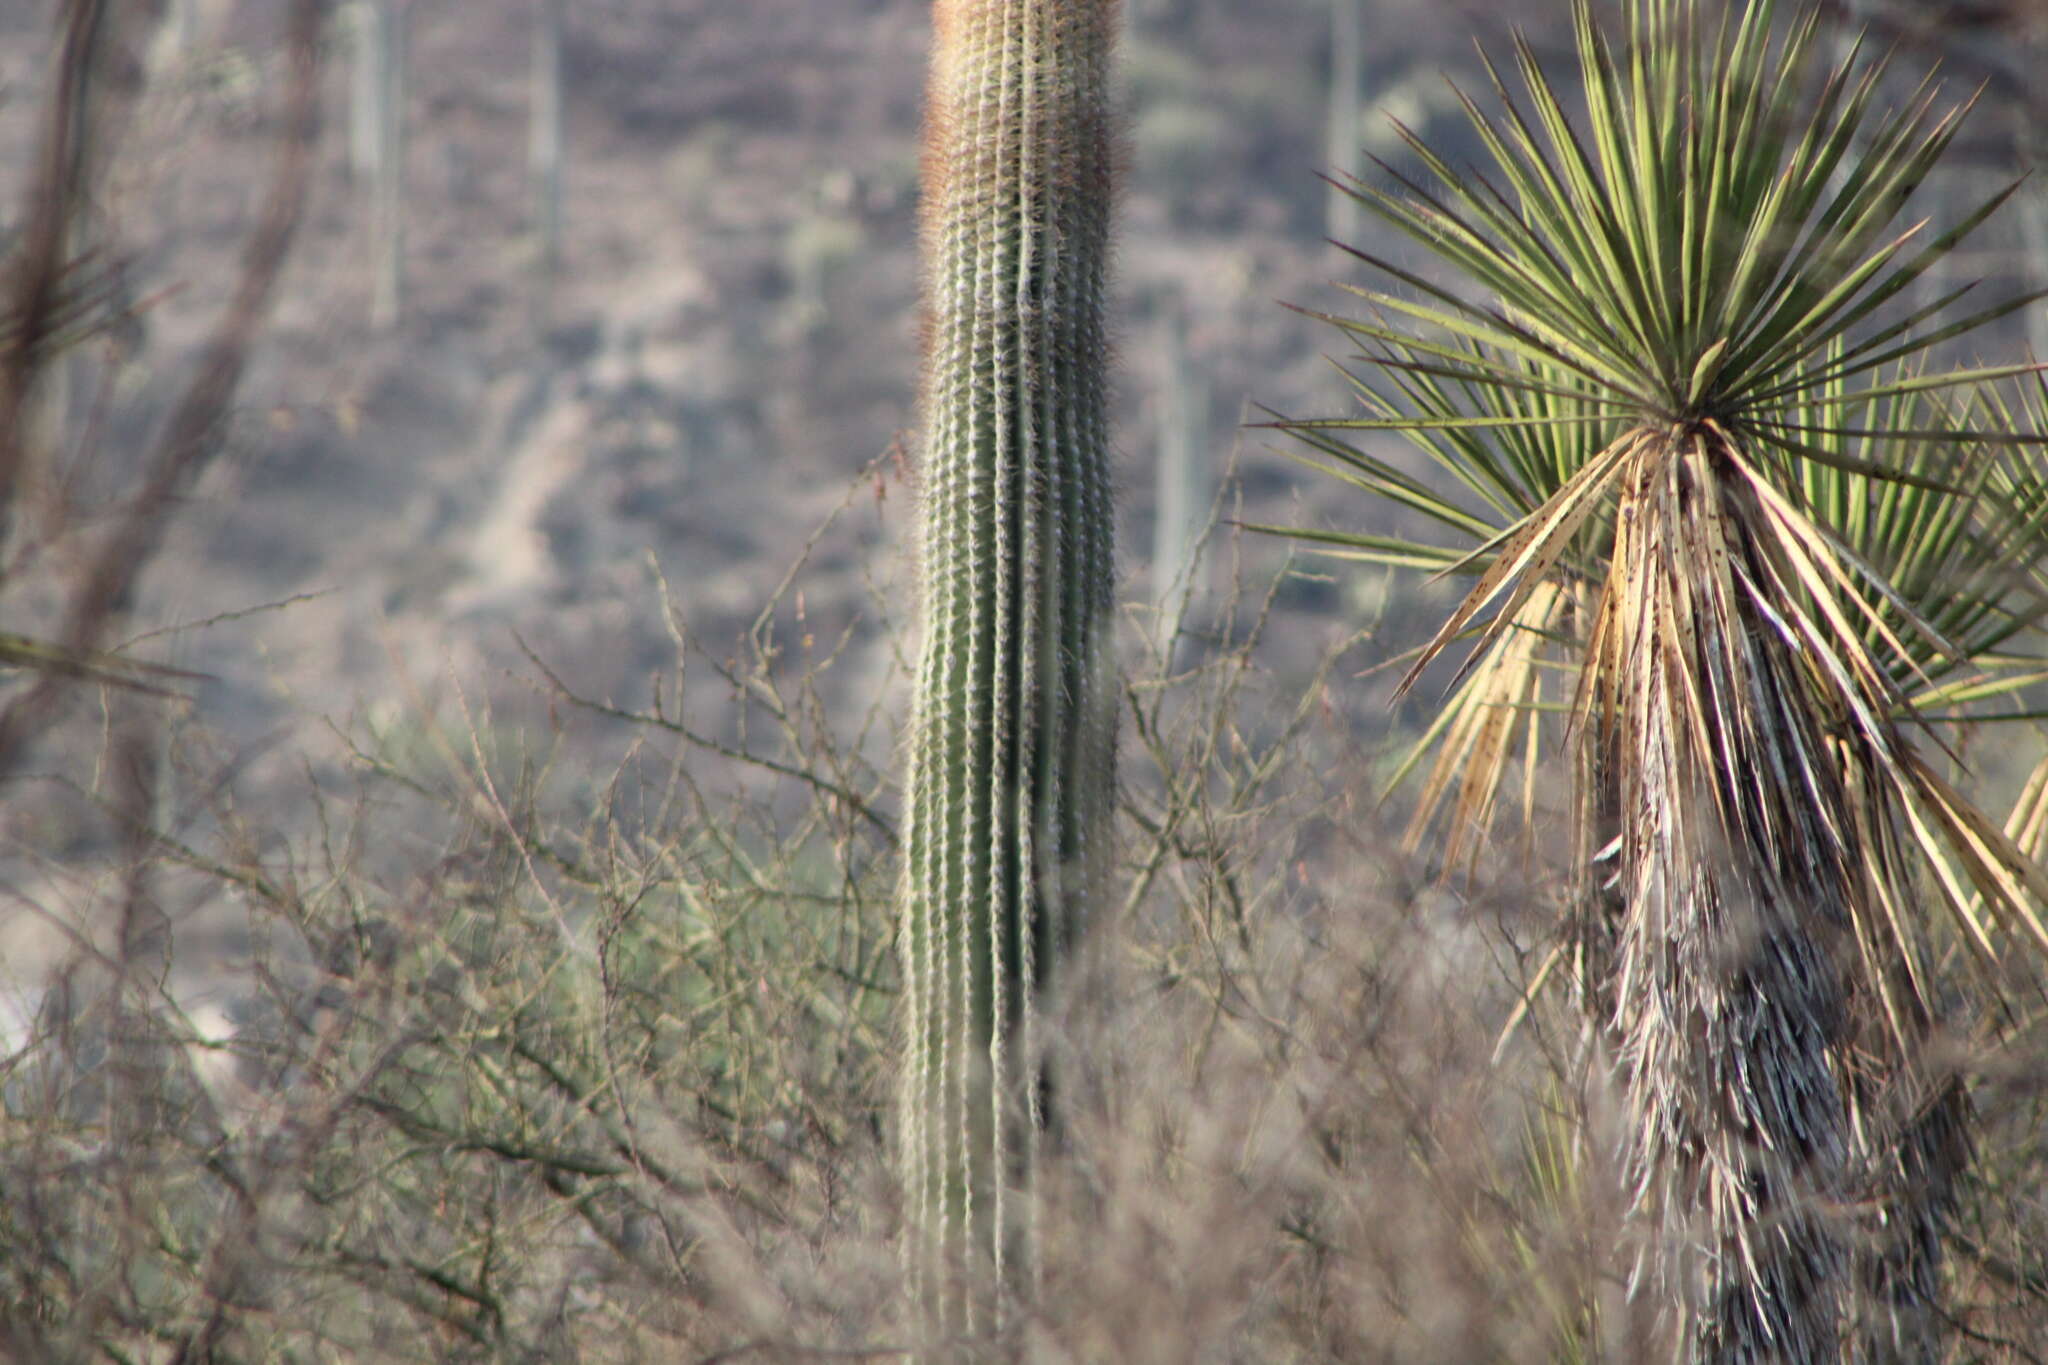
[(1737, 535), (1008, 793)]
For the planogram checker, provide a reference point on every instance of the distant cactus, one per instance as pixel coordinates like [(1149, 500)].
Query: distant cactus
[(1010, 767), (1184, 481), (377, 145), (544, 140), (2031, 147), (1347, 66), (365, 89)]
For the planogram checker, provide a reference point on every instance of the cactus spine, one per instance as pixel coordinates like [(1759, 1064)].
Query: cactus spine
[(1010, 767)]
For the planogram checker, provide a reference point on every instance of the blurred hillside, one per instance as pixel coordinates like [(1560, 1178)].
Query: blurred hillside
[(730, 339)]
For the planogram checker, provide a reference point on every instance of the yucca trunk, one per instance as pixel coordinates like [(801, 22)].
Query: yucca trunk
[(1796, 1196), (1010, 766)]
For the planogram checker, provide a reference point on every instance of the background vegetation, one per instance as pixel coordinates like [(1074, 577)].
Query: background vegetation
[(491, 958)]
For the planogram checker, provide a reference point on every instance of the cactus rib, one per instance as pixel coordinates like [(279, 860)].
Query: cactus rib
[(1010, 761)]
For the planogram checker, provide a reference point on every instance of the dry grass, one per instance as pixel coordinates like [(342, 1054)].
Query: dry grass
[(521, 1063), (603, 1075)]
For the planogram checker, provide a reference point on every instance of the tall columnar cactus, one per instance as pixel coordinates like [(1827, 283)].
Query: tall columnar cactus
[(1010, 767)]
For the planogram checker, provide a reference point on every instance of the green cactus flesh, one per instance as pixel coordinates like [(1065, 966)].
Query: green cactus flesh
[(1010, 766)]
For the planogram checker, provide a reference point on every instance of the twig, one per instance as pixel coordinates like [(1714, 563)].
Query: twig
[(190, 436), (852, 799)]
